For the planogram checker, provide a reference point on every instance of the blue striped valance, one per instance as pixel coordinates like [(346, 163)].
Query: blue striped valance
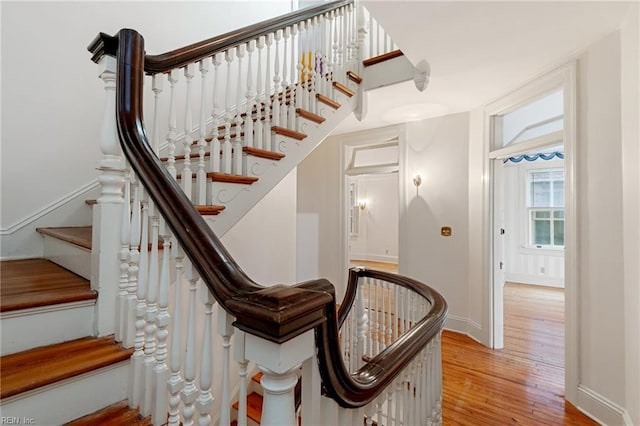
[(534, 157)]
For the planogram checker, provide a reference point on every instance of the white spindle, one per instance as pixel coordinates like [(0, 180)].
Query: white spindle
[(362, 323), (237, 145), (302, 98), (150, 317), (285, 77), (160, 369), (172, 134), (157, 87), (225, 166), (187, 175), (291, 124), (260, 97), (371, 52), (266, 141), (201, 179), (214, 157), (134, 260), (205, 400), (137, 369), (250, 95), (308, 65), (239, 350), (190, 391), (225, 329), (123, 282), (275, 117), (335, 46), (313, 61), (176, 382)]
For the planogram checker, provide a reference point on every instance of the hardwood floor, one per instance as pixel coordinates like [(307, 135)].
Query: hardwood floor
[(521, 384)]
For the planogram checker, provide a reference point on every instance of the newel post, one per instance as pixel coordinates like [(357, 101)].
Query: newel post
[(107, 213), (279, 362)]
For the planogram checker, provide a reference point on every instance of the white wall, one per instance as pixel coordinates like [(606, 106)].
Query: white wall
[(600, 227), (318, 232), (630, 108), (524, 264), (52, 100), (377, 239), (438, 150)]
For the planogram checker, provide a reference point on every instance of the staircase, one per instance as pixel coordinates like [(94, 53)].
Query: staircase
[(91, 329)]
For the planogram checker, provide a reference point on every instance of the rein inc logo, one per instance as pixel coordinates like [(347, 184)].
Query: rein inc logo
[(15, 420)]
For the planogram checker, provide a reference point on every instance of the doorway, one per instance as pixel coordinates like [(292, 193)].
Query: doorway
[(533, 122)]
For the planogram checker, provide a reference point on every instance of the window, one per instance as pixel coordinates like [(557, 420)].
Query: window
[(545, 208)]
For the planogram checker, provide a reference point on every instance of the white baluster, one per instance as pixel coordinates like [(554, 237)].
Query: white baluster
[(362, 326), (389, 403), (172, 134), (291, 124), (157, 87), (205, 400), (266, 141), (343, 44), (322, 54), (190, 391), (201, 179), (308, 65), (302, 97), (371, 53), (237, 145), (336, 47), (376, 316), (214, 158), (123, 282), (160, 369), (134, 259), (225, 329), (187, 174), (379, 49), (250, 95), (137, 369), (260, 96), (285, 80), (225, 166), (112, 205), (275, 117), (150, 317), (313, 60), (239, 350), (176, 382)]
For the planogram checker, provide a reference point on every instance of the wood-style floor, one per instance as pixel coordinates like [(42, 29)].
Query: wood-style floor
[(521, 384)]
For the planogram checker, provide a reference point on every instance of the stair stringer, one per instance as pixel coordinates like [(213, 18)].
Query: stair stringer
[(239, 200)]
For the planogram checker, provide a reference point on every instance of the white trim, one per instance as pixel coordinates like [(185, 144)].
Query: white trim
[(532, 144), (462, 325), (374, 257), (561, 77), (601, 409), (49, 208), (46, 309)]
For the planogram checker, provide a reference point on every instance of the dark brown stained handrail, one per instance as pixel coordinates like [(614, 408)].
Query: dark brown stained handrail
[(277, 313), (357, 389)]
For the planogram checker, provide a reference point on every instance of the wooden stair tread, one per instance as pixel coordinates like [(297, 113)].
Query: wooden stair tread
[(209, 210), (327, 101), (254, 407), (31, 283), (76, 235), (344, 89), (91, 202), (382, 58), (257, 377), (310, 115), (354, 77), (113, 415), (263, 153), (283, 131), (229, 178), (42, 366)]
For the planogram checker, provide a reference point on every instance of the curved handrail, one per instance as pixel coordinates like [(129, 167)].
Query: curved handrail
[(361, 387), (276, 313)]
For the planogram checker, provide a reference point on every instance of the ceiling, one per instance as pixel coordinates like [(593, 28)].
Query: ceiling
[(479, 50)]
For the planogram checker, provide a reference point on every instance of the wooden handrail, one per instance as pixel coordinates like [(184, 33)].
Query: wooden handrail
[(277, 313)]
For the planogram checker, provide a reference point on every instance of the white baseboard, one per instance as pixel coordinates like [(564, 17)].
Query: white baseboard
[(464, 326), (374, 257), (601, 409)]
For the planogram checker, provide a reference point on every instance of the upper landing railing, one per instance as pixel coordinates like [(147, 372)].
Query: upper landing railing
[(275, 74)]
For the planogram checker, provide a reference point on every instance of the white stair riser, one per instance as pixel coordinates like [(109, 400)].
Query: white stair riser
[(69, 256), (69, 399), (25, 329)]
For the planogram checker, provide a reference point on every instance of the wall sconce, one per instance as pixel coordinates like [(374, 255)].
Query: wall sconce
[(362, 204)]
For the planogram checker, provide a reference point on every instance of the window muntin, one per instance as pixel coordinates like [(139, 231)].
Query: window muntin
[(545, 208)]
